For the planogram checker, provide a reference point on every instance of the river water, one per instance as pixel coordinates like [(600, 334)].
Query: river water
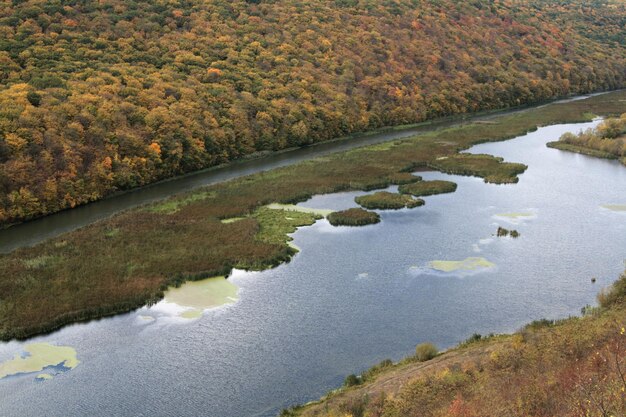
[(354, 296)]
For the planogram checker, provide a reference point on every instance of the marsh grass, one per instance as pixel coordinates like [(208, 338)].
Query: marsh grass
[(183, 238), (492, 169), (173, 204), (384, 200), (353, 217), (426, 188)]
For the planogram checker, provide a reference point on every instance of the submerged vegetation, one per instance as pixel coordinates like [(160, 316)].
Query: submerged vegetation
[(607, 140), (426, 188), (567, 368), (384, 200), (491, 168), (94, 271), (102, 96), (353, 217)]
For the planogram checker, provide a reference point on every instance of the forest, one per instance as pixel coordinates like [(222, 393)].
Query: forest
[(102, 96)]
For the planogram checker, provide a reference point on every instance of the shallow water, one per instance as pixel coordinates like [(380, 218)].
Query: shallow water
[(355, 296)]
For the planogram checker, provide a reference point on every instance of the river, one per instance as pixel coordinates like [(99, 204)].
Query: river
[(354, 296)]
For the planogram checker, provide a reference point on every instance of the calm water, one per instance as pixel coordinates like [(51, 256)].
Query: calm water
[(355, 296)]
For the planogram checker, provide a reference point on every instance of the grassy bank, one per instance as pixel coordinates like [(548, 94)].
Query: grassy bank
[(126, 261), (567, 368)]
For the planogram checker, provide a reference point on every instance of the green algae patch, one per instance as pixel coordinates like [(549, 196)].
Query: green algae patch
[(493, 169), (299, 209), (293, 246), (466, 265), (384, 200), (197, 296), (353, 217), (173, 205), (614, 207), (515, 217), (425, 188), (44, 377), (37, 357), (276, 221)]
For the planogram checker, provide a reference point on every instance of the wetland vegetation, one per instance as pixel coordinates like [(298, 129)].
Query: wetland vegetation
[(491, 168), (353, 217), (128, 260), (426, 188), (384, 200)]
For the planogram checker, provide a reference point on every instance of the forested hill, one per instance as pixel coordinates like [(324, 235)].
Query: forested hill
[(99, 96)]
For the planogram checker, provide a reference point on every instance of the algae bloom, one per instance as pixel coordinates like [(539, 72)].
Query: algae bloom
[(516, 217), (466, 265), (37, 357), (299, 209), (196, 296), (615, 207)]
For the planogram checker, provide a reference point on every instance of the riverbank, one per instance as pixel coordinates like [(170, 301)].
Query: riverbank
[(608, 140), (123, 262), (570, 367)]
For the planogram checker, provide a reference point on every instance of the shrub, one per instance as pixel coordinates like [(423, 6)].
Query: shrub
[(615, 294), (476, 337), (425, 352), (352, 380)]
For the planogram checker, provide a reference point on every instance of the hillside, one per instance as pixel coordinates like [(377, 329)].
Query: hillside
[(569, 368), (97, 97)]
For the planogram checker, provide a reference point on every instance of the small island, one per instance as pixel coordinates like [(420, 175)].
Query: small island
[(384, 200), (502, 232), (426, 188), (353, 217)]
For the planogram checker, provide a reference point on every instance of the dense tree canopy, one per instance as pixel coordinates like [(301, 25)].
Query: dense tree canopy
[(99, 96)]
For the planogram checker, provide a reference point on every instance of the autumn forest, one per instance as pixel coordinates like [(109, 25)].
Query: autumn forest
[(98, 97)]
